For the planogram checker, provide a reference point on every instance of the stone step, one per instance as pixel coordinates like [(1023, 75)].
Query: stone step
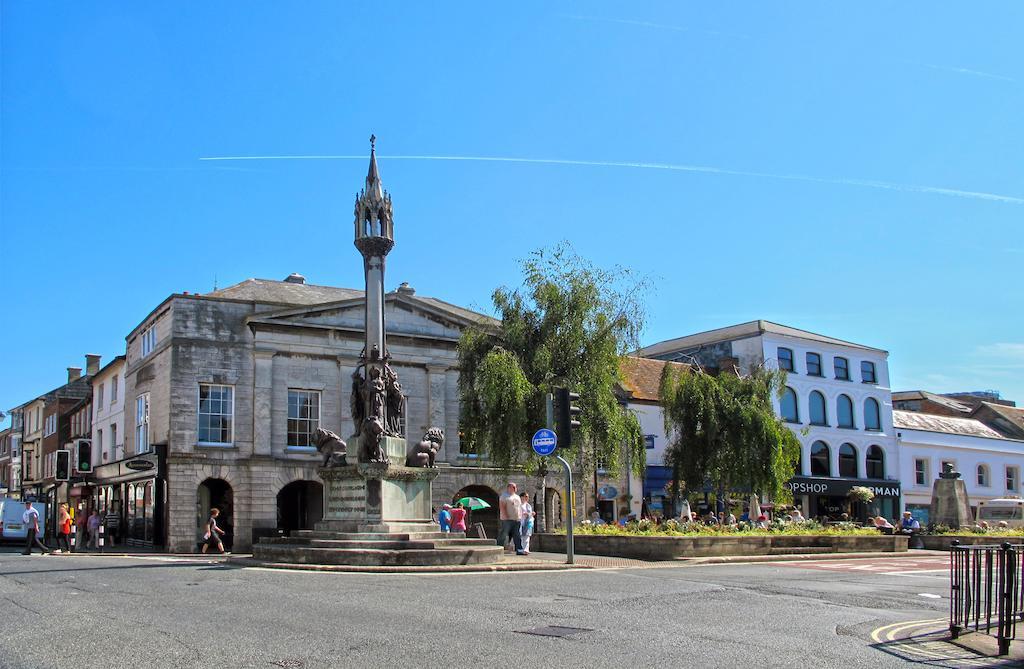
[(376, 536), (801, 550), (376, 544), (372, 557)]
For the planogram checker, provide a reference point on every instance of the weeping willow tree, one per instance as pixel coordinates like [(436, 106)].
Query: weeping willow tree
[(568, 325), (722, 429)]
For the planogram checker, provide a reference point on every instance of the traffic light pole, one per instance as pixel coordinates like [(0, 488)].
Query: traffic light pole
[(570, 548)]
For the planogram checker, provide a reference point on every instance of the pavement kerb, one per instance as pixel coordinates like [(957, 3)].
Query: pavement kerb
[(533, 566), (741, 559)]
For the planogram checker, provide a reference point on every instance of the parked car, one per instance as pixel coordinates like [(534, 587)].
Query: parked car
[(1010, 510), (12, 528)]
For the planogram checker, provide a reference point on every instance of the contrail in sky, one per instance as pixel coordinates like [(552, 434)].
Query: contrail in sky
[(884, 185), (974, 73)]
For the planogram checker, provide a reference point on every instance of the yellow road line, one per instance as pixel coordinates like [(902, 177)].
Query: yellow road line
[(875, 635)]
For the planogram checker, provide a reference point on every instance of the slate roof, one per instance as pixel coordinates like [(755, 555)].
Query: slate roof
[(305, 294), (947, 402), (914, 420), (641, 377), (1014, 415), (284, 292), (741, 331)]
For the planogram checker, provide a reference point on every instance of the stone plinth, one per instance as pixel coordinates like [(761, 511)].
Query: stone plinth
[(950, 504), (377, 497)]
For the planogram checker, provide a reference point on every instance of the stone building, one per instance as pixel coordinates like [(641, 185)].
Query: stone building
[(223, 390)]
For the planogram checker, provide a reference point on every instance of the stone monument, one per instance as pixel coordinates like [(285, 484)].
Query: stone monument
[(377, 497), (950, 504)]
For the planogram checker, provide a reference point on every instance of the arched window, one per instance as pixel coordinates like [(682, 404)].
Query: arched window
[(844, 411), (875, 462), (983, 476), (872, 416), (817, 408), (848, 461), (787, 406), (821, 459)]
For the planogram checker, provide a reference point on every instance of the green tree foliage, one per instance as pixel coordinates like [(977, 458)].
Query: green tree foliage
[(568, 325), (723, 429)]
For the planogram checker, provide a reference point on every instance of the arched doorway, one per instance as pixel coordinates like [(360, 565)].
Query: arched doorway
[(489, 517), (216, 493), (300, 505), (553, 509)]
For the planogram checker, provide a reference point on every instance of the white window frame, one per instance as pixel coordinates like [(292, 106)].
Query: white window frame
[(231, 432), (142, 424), (148, 340), (113, 390), (982, 467), (314, 424), (1015, 471), (924, 470), (50, 425), (99, 395)]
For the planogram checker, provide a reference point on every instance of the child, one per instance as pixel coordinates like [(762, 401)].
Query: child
[(444, 518)]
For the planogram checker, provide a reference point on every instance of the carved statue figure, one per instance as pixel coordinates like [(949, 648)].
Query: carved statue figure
[(378, 395), (369, 443), (357, 401), (331, 446), (395, 402), (424, 453)]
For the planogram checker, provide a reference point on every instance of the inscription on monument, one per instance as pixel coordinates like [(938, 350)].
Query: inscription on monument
[(346, 498)]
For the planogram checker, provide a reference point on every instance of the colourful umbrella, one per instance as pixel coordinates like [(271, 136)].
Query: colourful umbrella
[(473, 503)]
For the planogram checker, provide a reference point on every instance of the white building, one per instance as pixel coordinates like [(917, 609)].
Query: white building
[(837, 401), (989, 462), (108, 413)]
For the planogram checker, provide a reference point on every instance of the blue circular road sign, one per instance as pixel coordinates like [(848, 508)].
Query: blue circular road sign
[(544, 441)]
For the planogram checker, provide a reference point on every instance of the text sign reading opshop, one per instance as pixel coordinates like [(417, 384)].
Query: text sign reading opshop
[(544, 441)]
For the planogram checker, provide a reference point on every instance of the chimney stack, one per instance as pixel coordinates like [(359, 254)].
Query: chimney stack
[(74, 373), (295, 277), (92, 363)]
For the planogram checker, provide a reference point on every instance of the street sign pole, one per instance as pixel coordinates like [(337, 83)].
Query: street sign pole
[(542, 517)]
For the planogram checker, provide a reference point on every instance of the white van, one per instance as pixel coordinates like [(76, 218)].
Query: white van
[(1010, 510), (12, 527)]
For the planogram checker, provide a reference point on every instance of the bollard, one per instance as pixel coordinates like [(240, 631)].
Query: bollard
[(74, 537), (99, 541)]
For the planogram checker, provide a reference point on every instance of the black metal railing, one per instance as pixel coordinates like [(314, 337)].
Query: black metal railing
[(986, 591)]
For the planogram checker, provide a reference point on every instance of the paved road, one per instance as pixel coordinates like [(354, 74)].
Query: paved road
[(154, 611)]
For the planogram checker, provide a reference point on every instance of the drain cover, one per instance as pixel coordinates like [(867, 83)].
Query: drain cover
[(289, 664), (555, 630)]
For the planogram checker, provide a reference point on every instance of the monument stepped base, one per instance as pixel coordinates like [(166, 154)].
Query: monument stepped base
[(394, 549)]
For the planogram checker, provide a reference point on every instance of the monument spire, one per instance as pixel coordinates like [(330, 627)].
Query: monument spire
[(377, 401)]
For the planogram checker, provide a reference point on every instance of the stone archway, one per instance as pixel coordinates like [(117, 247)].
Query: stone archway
[(300, 505), (216, 493), (488, 517)]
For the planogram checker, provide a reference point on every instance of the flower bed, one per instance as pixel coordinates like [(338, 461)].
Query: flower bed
[(649, 544), (671, 528)]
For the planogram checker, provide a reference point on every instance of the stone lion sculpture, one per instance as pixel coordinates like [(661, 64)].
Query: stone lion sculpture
[(331, 446), (369, 442), (423, 453)]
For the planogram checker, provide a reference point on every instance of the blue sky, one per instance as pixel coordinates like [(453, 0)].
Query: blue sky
[(880, 109)]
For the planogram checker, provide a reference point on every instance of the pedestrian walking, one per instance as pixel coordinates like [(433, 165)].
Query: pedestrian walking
[(31, 521), (510, 513), (444, 518), (458, 518), (213, 533), (526, 524), (92, 526), (112, 524), (63, 529)]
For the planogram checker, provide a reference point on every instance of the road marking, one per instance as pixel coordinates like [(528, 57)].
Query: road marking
[(875, 634), (929, 595)]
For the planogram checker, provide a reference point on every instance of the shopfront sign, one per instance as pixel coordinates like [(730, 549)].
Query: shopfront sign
[(140, 465), (607, 492), (804, 485)]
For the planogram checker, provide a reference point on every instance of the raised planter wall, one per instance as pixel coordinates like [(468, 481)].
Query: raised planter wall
[(670, 548), (942, 543)]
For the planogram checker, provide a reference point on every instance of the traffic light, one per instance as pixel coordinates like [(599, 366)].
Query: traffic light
[(83, 456), (62, 471), (565, 416)]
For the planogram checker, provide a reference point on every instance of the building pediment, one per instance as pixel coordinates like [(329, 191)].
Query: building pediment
[(405, 314)]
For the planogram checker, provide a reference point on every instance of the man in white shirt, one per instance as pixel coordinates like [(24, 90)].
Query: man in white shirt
[(31, 520), (510, 512)]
